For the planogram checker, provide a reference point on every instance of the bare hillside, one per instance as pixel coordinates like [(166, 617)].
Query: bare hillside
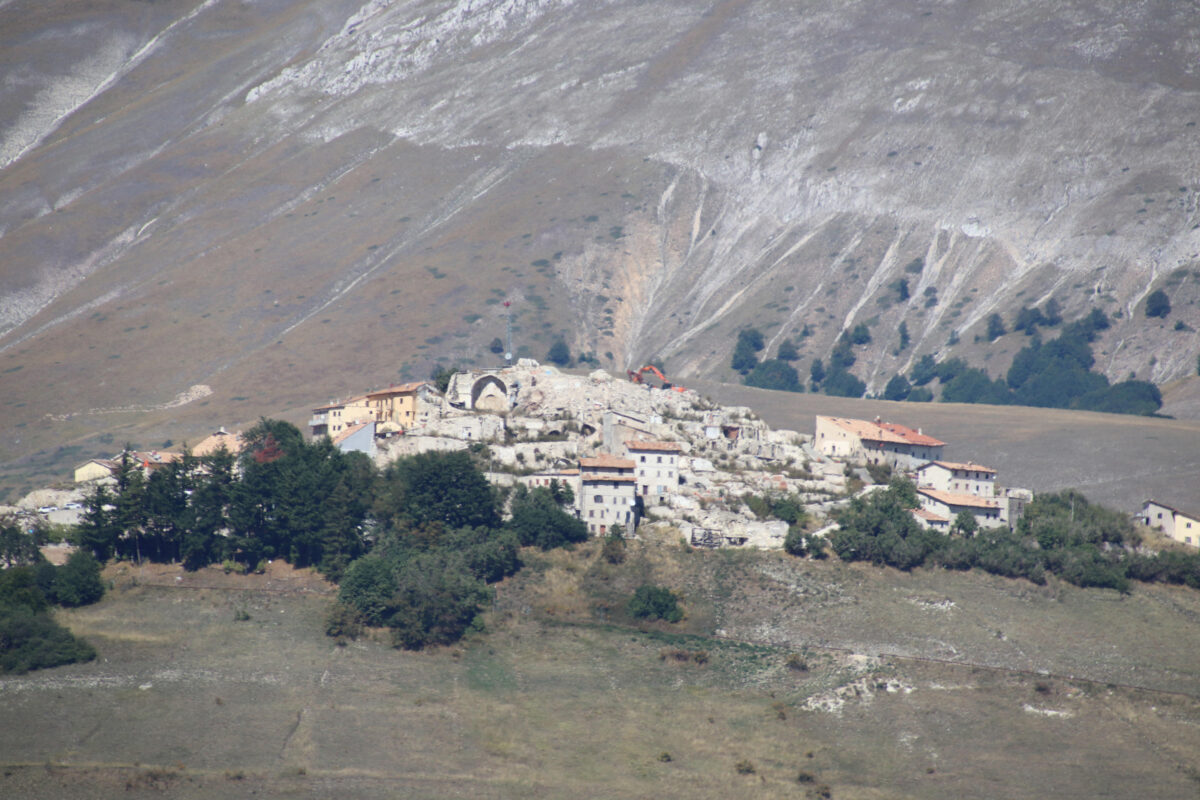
[(278, 201)]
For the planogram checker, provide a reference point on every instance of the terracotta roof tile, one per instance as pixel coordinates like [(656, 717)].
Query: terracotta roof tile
[(403, 388), (959, 499), (885, 432), (349, 431), (606, 460)]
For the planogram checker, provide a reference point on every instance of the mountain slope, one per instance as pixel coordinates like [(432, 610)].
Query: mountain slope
[(262, 205)]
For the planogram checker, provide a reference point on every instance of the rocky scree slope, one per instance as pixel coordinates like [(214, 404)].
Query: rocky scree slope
[(276, 199)]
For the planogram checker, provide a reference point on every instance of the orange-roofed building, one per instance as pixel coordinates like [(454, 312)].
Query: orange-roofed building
[(396, 405), (657, 465), (607, 494), (330, 420), (987, 511), (875, 442), (233, 442), (952, 476)]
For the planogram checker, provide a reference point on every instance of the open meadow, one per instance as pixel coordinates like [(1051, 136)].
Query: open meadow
[(787, 678)]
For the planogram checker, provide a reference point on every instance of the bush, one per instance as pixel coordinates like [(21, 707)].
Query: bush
[(1158, 304), (368, 587), (613, 549), (774, 374), (995, 327), (559, 353), (749, 342), (842, 384), (898, 388), (343, 621), (436, 602), (655, 602), (31, 640), (538, 520), (77, 582)]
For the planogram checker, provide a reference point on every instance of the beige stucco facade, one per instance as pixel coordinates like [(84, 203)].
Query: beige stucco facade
[(1182, 526)]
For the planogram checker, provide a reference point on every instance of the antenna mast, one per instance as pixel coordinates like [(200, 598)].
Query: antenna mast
[(508, 353)]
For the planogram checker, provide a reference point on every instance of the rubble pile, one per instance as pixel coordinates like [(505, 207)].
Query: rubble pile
[(537, 422)]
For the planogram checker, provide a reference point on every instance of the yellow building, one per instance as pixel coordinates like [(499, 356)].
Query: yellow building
[(332, 419), (396, 405), (95, 469)]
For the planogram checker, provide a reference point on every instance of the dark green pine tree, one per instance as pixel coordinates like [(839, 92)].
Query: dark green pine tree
[(98, 530)]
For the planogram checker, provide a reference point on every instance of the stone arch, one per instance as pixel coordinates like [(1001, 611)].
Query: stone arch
[(489, 394)]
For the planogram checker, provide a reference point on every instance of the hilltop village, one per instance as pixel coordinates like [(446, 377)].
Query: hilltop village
[(637, 454)]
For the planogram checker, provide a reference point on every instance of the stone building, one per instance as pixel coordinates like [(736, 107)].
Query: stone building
[(657, 469), (608, 494)]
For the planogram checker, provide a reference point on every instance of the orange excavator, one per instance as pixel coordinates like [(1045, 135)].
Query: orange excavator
[(640, 377)]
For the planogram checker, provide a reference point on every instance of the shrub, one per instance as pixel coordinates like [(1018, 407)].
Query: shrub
[(77, 582), (1158, 304), (436, 602), (898, 388), (559, 353), (31, 640), (995, 327), (613, 549), (343, 621), (842, 384), (774, 374), (368, 587), (655, 602), (538, 520), (744, 767), (796, 663), (787, 351)]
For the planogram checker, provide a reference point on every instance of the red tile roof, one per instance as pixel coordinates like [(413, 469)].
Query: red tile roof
[(929, 515), (958, 499), (606, 461), (889, 432), (349, 431), (403, 388)]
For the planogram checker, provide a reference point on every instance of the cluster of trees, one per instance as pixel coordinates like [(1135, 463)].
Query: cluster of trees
[(414, 546), (772, 373), (440, 542), (1053, 374), (1061, 534), (29, 637), (304, 502)]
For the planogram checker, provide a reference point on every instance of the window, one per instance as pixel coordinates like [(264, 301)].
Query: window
[(660, 459), (591, 512), (598, 498), (643, 459)]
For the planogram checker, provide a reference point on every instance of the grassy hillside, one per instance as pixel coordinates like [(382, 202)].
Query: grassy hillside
[(565, 697)]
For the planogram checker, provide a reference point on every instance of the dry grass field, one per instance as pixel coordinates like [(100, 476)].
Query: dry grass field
[(564, 696)]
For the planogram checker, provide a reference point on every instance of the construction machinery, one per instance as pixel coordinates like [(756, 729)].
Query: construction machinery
[(640, 377)]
